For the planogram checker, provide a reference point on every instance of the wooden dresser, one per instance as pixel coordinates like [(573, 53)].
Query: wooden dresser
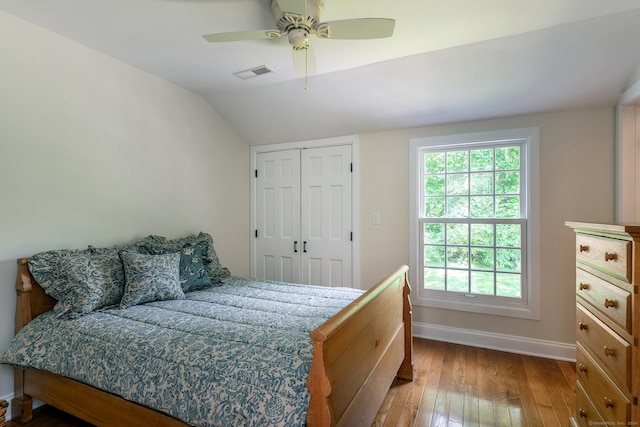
[(607, 324)]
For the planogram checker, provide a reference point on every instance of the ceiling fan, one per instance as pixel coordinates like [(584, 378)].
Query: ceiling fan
[(297, 19)]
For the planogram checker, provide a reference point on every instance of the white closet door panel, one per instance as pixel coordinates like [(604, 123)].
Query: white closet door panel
[(337, 272), (326, 215), (337, 226), (314, 213), (278, 215), (314, 269)]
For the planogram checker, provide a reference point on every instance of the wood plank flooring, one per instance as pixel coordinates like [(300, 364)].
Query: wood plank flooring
[(455, 385)]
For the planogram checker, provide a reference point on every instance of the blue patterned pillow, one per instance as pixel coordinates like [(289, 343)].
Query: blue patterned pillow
[(150, 278), (80, 281), (204, 241), (140, 245), (192, 272)]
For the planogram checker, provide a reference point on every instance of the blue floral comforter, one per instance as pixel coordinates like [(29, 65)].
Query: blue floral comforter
[(233, 355)]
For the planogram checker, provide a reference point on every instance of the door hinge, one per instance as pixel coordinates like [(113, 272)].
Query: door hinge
[(256, 173), (351, 167), (351, 236), (256, 233)]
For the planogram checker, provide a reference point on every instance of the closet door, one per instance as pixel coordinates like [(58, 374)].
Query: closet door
[(278, 215), (326, 225)]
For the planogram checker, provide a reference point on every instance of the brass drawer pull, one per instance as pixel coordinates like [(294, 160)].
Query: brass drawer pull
[(582, 368), (583, 286), (582, 326), (608, 351), (584, 248), (608, 403), (610, 257), (609, 303), (583, 413)]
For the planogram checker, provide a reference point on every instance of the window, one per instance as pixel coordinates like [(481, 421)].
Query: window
[(474, 222)]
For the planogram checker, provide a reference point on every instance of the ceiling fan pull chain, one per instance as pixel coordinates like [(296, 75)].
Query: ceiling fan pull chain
[(306, 69)]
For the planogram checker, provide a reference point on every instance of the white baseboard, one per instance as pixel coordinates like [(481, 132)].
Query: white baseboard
[(493, 341)]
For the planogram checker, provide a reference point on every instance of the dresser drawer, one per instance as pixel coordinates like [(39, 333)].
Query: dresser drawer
[(613, 352), (610, 255), (609, 299), (610, 402), (586, 413)]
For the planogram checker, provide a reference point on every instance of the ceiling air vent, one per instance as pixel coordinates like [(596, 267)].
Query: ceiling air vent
[(253, 72)]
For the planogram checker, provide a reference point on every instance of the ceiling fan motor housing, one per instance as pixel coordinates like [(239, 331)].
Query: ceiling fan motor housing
[(296, 25)]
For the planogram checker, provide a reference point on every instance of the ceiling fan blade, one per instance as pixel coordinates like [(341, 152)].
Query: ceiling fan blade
[(240, 36), (357, 29), (304, 61), (294, 6)]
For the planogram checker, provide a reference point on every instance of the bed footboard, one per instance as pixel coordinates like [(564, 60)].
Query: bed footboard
[(358, 353)]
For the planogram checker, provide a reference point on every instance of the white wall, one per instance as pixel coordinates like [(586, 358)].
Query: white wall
[(577, 183), (93, 151)]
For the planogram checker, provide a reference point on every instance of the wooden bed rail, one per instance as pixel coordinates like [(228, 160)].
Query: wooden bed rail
[(374, 330)]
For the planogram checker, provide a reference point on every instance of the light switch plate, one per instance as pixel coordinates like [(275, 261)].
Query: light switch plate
[(376, 218)]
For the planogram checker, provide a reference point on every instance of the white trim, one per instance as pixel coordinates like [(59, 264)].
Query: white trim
[(631, 96), (530, 309), (509, 343), (354, 141), (627, 153), (626, 149)]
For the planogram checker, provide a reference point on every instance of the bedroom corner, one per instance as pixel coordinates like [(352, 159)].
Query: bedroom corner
[(97, 152)]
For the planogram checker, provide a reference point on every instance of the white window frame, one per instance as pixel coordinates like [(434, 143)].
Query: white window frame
[(529, 306)]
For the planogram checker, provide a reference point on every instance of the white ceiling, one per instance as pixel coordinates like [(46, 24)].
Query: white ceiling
[(455, 60)]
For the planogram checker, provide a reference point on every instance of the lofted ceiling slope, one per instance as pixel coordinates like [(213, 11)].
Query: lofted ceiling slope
[(446, 62)]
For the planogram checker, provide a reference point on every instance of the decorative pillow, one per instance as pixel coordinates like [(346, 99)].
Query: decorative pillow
[(80, 281), (192, 272), (140, 245), (103, 251), (150, 278), (202, 240)]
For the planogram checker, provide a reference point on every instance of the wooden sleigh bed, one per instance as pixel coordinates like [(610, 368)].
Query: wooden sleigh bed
[(356, 355)]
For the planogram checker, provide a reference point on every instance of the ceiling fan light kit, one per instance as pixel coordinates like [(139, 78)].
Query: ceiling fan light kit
[(297, 19)]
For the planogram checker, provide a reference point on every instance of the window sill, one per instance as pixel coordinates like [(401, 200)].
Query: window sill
[(460, 303)]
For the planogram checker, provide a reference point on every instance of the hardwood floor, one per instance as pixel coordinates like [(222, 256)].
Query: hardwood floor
[(456, 385)]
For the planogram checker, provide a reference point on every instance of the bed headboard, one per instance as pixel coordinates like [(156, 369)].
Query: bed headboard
[(31, 299)]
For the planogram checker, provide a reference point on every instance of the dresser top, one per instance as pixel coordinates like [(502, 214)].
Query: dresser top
[(590, 227)]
